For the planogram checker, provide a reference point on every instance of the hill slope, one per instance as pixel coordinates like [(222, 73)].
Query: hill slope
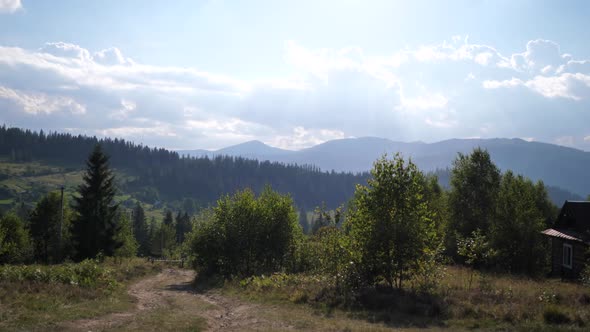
[(154, 175), (557, 166)]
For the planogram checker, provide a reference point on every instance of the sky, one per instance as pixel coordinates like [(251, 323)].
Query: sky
[(205, 74)]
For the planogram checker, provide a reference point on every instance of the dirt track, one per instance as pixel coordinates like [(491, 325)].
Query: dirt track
[(171, 291)]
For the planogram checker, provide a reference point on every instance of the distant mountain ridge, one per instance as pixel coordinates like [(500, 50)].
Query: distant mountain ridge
[(560, 166)]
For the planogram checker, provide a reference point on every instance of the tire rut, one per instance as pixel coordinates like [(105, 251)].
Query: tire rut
[(173, 285)]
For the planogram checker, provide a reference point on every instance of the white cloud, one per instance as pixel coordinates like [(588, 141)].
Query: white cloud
[(303, 138), (111, 57), (10, 6), (565, 140), (540, 56), (40, 103), (491, 84), (425, 102), (131, 132), (127, 108), (432, 92), (570, 86)]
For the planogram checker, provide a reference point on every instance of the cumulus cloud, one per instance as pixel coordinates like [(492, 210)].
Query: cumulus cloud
[(10, 6), (570, 86), (450, 89), (37, 103), (540, 56)]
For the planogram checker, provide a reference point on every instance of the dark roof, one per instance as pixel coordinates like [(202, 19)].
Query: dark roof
[(574, 215), (573, 222)]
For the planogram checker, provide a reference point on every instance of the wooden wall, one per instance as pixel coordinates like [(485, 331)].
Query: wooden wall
[(579, 254)]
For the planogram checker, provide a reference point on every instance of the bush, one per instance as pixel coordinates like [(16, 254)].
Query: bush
[(15, 244), (246, 235), (87, 273)]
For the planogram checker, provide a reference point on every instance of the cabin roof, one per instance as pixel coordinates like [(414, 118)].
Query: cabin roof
[(564, 234), (573, 222)]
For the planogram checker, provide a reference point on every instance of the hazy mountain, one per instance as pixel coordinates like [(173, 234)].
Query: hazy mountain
[(556, 165), (251, 149)]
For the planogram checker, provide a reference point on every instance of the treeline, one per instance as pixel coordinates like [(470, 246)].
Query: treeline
[(396, 231), (163, 175), (92, 226)]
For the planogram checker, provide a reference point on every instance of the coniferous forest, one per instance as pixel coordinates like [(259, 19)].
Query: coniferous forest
[(161, 175), (392, 243)]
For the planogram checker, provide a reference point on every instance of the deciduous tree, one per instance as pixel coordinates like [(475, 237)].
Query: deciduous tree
[(390, 223)]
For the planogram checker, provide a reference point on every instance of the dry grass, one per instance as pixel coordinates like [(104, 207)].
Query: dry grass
[(29, 305), (501, 300), (491, 302)]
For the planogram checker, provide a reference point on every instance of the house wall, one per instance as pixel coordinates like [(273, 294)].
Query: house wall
[(578, 261)]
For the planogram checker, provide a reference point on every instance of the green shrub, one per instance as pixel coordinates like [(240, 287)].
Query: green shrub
[(87, 273), (246, 235)]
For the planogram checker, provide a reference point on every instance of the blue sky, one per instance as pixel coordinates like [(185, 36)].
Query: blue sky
[(207, 74)]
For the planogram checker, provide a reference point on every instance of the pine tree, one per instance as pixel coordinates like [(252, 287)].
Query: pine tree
[(183, 226), (168, 218), (140, 229), (95, 228)]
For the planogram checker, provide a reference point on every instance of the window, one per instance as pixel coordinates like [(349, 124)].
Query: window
[(567, 255)]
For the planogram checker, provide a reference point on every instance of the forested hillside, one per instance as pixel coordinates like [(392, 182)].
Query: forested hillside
[(555, 165), (155, 174)]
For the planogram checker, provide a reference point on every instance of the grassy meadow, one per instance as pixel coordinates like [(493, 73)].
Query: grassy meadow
[(462, 300), (37, 297)]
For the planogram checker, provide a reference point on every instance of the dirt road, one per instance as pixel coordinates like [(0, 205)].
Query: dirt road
[(168, 302)]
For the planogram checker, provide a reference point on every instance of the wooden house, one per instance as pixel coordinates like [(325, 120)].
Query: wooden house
[(570, 239)]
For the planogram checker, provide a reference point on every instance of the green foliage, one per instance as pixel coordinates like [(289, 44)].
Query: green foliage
[(15, 244), (87, 273), (476, 249), (159, 175), (246, 235), (333, 257), (51, 238), (390, 223), (163, 240), (475, 181), (95, 228), (125, 236), (168, 218), (522, 211), (140, 230), (324, 218), (183, 226)]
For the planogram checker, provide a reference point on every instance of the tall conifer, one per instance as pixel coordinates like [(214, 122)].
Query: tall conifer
[(96, 226)]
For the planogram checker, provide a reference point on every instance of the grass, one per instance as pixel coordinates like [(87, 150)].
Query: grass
[(28, 181), (180, 315), (30, 305), (493, 302)]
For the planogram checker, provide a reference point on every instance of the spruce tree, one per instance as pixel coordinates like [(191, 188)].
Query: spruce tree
[(140, 229), (95, 228), (183, 226)]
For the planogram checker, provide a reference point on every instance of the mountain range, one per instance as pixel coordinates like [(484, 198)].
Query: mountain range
[(556, 165)]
